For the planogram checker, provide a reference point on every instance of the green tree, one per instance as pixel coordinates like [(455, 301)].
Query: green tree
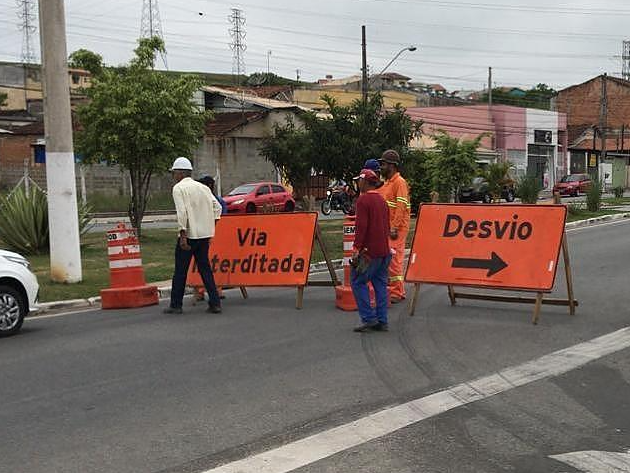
[(416, 170), (354, 133), (536, 97), (140, 120), (339, 144), (3, 99), (88, 60), (452, 164)]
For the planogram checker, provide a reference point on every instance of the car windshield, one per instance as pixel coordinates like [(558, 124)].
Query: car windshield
[(572, 178), (242, 190)]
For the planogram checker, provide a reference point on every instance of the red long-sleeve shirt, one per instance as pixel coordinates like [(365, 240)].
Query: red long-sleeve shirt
[(372, 225)]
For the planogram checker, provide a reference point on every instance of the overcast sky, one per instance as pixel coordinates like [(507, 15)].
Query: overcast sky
[(525, 41)]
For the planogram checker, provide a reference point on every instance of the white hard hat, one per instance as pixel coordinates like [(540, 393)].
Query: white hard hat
[(182, 164)]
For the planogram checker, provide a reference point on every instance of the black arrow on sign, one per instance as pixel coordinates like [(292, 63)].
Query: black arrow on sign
[(493, 265)]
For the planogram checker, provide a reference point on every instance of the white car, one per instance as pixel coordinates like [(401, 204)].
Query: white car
[(18, 292)]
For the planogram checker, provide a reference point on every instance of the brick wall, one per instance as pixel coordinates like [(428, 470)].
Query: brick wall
[(581, 103)]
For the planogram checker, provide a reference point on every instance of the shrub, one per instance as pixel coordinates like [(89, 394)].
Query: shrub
[(24, 223), (594, 196), (497, 176), (528, 189), (618, 192)]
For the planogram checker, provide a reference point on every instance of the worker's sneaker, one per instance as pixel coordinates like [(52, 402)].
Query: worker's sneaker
[(173, 310), (380, 327), (214, 309), (366, 327)]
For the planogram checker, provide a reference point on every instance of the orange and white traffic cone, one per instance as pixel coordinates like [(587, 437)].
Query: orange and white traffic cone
[(127, 284)]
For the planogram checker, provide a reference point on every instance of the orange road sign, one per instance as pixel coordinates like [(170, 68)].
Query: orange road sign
[(260, 250), (498, 246)]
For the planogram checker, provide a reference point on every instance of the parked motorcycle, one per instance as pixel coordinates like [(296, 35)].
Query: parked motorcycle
[(337, 199)]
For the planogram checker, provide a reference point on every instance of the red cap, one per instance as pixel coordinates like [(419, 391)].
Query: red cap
[(368, 175)]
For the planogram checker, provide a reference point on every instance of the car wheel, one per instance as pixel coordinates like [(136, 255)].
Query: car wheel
[(289, 206), (487, 199), (509, 196), (250, 208), (326, 207), (12, 310)]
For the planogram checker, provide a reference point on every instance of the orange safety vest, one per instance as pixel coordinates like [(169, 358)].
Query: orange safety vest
[(395, 191)]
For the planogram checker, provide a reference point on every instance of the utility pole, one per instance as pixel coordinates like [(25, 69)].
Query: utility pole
[(490, 87), (268, 68), (63, 216), (603, 121), (364, 74)]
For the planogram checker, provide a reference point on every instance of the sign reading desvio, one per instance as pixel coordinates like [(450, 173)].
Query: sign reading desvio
[(260, 250), (500, 246)]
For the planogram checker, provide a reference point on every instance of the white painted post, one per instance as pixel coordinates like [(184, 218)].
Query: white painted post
[(63, 219)]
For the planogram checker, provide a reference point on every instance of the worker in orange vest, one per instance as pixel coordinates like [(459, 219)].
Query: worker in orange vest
[(395, 191)]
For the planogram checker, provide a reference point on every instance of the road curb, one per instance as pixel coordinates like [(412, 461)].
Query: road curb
[(595, 220), (164, 292)]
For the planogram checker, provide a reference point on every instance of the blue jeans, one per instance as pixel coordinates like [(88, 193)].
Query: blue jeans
[(198, 249), (378, 275)]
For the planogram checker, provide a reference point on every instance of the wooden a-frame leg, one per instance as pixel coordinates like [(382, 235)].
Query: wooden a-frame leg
[(414, 299), (451, 295), (537, 306), (568, 274)]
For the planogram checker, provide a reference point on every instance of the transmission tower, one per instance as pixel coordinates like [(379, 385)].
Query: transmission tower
[(237, 32), (625, 59), (151, 24), (26, 14)]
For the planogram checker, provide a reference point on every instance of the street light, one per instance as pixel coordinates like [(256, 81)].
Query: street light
[(409, 48)]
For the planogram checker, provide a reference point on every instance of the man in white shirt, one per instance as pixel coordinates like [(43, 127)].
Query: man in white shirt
[(197, 212)]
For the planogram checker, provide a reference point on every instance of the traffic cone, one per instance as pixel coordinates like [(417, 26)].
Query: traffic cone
[(127, 284)]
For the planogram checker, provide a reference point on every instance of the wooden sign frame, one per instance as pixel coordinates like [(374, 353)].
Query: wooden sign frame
[(538, 301)]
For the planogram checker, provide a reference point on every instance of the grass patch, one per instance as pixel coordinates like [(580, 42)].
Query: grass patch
[(158, 247), (585, 214)]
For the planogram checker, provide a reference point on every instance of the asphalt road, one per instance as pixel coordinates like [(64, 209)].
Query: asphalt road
[(139, 391)]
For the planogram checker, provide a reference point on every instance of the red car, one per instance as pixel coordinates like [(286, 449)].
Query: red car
[(250, 198), (573, 184)]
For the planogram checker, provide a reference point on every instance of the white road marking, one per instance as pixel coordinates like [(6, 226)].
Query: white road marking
[(592, 461), (311, 449)]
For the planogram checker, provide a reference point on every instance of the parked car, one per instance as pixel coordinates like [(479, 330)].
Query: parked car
[(478, 191), (18, 292), (251, 198), (573, 184)]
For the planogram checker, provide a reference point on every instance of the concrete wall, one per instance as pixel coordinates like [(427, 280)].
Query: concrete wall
[(234, 161)]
